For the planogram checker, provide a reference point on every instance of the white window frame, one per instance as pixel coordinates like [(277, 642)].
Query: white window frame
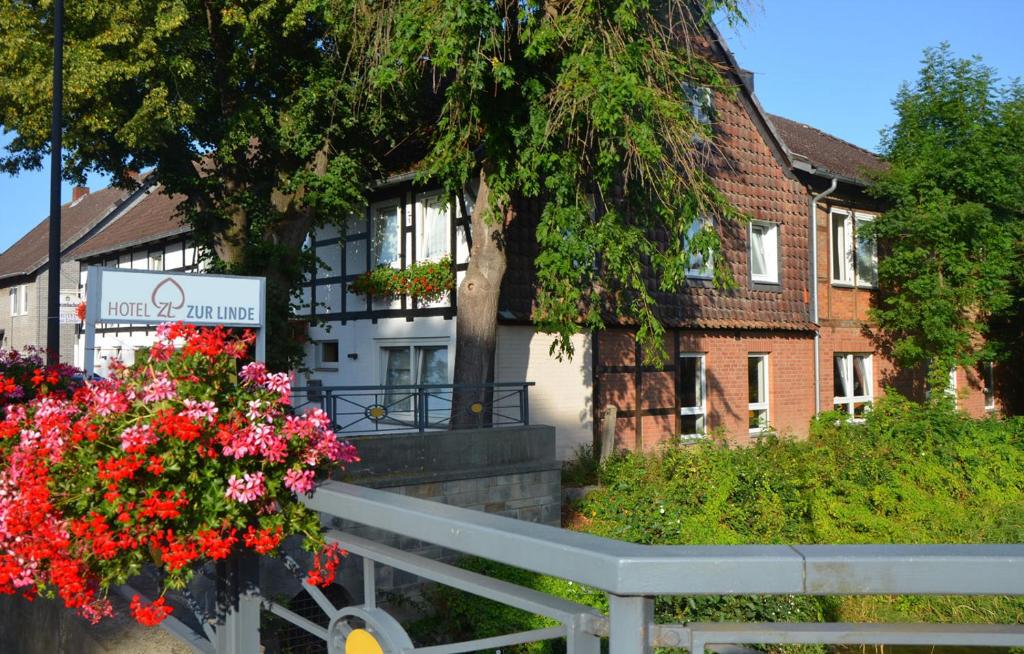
[(375, 210), (988, 384), (849, 276), (13, 295), (155, 256), (771, 254), (846, 402), (765, 404), (437, 406), (321, 362), (24, 300), (706, 269), (701, 410), (421, 226), (701, 102)]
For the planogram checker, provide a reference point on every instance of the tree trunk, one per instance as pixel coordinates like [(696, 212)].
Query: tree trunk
[(477, 318)]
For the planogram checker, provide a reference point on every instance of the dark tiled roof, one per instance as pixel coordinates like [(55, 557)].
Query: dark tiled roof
[(32, 250), (153, 218), (826, 152)]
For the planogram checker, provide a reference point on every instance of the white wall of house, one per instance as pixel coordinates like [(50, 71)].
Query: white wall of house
[(563, 394)]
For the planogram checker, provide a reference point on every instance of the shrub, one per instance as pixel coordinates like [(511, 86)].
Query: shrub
[(174, 461), (909, 473), (23, 375)]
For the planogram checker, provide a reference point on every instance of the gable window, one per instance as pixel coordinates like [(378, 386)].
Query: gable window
[(13, 294), (852, 384), (693, 391), (433, 229), (988, 380), (764, 252), (757, 385), (854, 255), (386, 236), (699, 267), (699, 98), (19, 300)]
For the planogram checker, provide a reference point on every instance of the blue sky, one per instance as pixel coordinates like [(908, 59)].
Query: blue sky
[(834, 64)]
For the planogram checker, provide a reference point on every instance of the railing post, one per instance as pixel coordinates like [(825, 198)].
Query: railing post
[(524, 404), (630, 624), (421, 408), (578, 641), (238, 605)]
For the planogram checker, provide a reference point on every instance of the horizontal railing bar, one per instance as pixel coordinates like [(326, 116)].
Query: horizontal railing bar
[(800, 633), (518, 638), (296, 619), (634, 569), (399, 387), (515, 596)]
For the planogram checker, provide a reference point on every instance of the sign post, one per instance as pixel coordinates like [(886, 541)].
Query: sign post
[(142, 297)]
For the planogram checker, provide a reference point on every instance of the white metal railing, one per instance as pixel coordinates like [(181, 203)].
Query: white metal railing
[(632, 575)]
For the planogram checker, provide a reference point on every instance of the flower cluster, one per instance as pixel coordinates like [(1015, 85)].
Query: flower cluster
[(429, 281), (24, 375), (175, 460)]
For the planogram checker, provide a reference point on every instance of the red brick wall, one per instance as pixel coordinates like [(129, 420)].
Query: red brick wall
[(791, 403)]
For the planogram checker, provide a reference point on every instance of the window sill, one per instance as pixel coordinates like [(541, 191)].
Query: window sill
[(769, 287), (850, 285)]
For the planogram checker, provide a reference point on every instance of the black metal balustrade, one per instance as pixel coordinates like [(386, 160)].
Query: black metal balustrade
[(416, 407)]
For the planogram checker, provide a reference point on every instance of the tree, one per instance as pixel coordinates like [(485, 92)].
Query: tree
[(254, 111), (580, 107), (952, 237)]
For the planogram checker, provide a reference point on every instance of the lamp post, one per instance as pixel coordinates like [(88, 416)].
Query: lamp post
[(56, 121)]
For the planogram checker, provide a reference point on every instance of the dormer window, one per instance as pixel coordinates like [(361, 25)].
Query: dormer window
[(700, 267), (764, 252)]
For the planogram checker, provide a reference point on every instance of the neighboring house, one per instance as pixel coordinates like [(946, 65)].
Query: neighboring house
[(24, 276), (770, 353), (148, 235)]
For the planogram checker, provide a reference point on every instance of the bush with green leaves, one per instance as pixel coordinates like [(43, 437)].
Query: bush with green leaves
[(910, 473)]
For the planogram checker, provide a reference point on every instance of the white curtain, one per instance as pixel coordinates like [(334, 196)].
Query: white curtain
[(860, 377), (432, 233), (758, 261), (842, 378)]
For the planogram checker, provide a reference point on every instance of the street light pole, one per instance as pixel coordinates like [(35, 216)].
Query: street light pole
[(56, 122)]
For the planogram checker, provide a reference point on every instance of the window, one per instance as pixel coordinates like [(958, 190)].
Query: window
[(693, 387), (13, 293), (412, 364), (433, 231), (23, 307), (327, 354), (852, 383), (701, 105), (156, 260), (854, 257), (386, 236), (757, 383), (988, 380), (764, 252), (699, 267)]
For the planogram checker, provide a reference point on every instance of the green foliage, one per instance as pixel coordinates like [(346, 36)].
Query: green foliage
[(910, 473), (580, 106), (953, 255), (426, 280), (253, 112), (583, 469)]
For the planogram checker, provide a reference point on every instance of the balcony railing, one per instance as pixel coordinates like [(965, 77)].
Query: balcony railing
[(419, 407), (632, 576)]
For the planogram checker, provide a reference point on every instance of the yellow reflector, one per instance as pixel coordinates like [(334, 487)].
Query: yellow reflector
[(361, 641)]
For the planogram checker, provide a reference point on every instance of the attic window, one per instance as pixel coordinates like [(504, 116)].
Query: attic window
[(700, 99)]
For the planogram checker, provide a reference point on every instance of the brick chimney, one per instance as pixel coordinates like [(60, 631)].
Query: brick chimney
[(78, 193)]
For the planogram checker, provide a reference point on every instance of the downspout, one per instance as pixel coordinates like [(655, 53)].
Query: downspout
[(814, 291)]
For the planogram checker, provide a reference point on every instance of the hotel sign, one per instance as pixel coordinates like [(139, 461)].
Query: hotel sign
[(142, 297)]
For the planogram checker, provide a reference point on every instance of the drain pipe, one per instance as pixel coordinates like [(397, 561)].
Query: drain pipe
[(814, 290)]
